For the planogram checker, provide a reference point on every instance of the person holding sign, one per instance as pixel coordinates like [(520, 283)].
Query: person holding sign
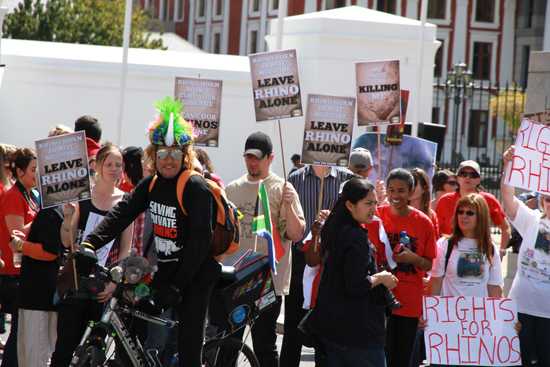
[(531, 285), (469, 179), (349, 314), (80, 219), (17, 211), (412, 238), (467, 263)]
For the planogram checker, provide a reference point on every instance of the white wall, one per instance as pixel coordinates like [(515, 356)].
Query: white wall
[(50, 83)]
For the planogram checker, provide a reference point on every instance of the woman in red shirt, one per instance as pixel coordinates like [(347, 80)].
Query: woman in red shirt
[(18, 208), (420, 198)]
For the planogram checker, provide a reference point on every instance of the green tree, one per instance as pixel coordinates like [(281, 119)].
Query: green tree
[(508, 104), (97, 22)]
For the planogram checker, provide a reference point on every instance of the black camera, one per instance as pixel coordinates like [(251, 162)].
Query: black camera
[(385, 297)]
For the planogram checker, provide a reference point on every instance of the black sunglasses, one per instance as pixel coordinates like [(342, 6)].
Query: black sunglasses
[(469, 213), (469, 174), (452, 183)]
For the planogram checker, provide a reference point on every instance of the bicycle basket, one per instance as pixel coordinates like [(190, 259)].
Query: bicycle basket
[(250, 292)]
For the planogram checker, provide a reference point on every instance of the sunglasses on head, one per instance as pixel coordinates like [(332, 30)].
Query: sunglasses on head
[(469, 213), (469, 174), (176, 154)]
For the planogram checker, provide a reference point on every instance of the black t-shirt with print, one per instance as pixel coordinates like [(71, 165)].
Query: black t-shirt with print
[(38, 278)]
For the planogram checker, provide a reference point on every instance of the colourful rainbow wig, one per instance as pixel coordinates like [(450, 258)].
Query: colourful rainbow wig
[(170, 128)]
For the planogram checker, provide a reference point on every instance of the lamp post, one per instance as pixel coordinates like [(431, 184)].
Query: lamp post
[(458, 86)]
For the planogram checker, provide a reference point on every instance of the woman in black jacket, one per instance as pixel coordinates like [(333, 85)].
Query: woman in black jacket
[(349, 315)]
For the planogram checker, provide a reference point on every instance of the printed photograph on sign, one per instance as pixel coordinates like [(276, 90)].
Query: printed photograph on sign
[(201, 100), (530, 168), (328, 130), (471, 331), (378, 92), (63, 170), (275, 85)]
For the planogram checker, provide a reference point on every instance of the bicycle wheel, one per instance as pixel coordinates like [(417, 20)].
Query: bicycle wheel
[(88, 356), (228, 352)]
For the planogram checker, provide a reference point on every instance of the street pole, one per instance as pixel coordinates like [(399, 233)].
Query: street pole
[(124, 68)]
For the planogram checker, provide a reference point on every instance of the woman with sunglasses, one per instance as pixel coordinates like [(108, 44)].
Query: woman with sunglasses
[(467, 262), (531, 285), (469, 182), (82, 218), (443, 182)]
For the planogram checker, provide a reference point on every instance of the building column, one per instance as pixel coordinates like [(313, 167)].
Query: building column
[(191, 17), (243, 44), (263, 24), (208, 26), (225, 31)]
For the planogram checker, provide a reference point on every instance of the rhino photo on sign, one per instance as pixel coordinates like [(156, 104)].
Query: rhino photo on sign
[(275, 85), (201, 99), (63, 170), (378, 92), (328, 130)]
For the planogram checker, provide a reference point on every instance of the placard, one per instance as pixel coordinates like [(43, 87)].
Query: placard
[(63, 171), (472, 331), (202, 99), (275, 85), (328, 130), (530, 167), (378, 92)]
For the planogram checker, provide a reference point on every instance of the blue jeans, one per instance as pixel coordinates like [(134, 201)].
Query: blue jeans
[(341, 356), (534, 340)]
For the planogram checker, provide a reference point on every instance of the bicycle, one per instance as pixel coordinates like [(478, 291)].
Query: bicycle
[(251, 285)]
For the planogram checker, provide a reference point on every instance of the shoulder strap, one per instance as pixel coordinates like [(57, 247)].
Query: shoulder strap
[(180, 187), (450, 246), (152, 183)]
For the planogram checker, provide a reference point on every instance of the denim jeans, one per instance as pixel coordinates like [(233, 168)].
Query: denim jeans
[(341, 356)]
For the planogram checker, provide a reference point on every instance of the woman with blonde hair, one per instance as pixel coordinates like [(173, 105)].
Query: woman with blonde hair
[(79, 220), (468, 263)]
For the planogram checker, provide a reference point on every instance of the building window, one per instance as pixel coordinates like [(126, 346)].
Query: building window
[(255, 5), (485, 11), (164, 10), (179, 11), (482, 60), (200, 41), (333, 4), (437, 9), (218, 9), (274, 4), (388, 6), (525, 53), (253, 42), (477, 134), (217, 43), (439, 59), (201, 8), (528, 14), (435, 115)]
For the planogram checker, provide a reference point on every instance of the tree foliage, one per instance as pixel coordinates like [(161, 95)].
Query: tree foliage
[(97, 22), (509, 104)]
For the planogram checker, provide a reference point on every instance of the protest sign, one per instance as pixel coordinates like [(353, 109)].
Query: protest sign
[(378, 93), (412, 152), (63, 170), (530, 167), (473, 331), (328, 130), (543, 117), (394, 132), (201, 100), (275, 85)]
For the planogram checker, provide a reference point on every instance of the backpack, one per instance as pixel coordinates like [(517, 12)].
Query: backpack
[(225, 235)]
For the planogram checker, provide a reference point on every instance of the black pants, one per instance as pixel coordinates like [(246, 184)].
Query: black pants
[(291, 350), (400, 337), (72, 319), (9, 285), (264, 335), (192, 317), (534, 339)]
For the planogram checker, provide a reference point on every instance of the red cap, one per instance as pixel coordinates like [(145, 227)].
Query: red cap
[(93, 147)]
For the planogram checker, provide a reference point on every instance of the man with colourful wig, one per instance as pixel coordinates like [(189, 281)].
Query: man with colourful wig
[(186, 270)]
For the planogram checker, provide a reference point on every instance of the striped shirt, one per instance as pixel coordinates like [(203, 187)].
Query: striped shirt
[(307, 186)]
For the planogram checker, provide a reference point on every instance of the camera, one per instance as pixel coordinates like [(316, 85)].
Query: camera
[(385, 297)]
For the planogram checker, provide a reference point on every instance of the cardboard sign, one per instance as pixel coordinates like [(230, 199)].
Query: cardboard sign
[(473, 331), (328, 130), (394, 132), (275, 85), (201, 100), (378, 92), (412, 152), (542, 117), (530, 168), (63, 170)]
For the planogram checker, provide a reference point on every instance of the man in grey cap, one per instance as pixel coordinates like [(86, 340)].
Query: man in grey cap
[(360, 162)]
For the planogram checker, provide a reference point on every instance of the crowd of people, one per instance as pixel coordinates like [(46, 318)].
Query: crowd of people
[(358, 255)]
